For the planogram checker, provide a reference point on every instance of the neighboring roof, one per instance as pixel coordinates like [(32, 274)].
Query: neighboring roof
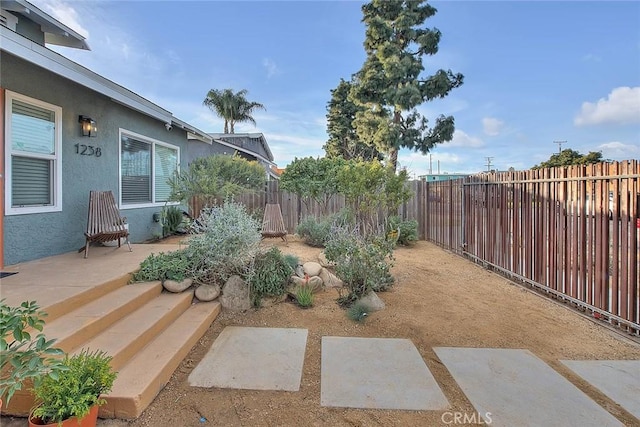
[(30, 51), (227, 139), (55, 32)]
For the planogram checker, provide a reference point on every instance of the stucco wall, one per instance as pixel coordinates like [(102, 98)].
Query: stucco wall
[(33, 236)]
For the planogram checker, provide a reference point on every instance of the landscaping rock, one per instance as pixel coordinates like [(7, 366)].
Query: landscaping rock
[(173, 286), (330, 280), (207, 292), (235, 295), (314, 282), (312, 268), (372, 301), (300, 271)]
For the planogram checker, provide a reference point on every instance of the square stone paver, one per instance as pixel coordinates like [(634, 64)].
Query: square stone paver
[(618, 379), (515, 388), (380, 373), (254, 359)]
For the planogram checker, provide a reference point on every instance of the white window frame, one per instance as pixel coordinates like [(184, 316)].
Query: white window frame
[(153, 142), (56, 175)]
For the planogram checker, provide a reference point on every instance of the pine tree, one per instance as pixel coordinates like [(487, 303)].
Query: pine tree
[(390, 84)]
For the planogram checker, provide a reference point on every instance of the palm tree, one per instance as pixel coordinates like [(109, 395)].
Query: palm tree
[(232, 107)]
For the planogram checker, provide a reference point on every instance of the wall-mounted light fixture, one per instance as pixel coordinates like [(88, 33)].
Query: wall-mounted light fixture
[(89, 127)]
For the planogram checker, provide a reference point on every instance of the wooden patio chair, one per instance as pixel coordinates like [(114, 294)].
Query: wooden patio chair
[(273, 223), (104, 222)]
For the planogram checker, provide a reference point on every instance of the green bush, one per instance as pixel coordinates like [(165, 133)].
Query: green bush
[(227, 242), (164, 266), (408, 230), (77, 389), (292, 260), (363, 263), (269, 276), (172, 218), (314, 231), (358, 312), (304, 296), (24, 357)]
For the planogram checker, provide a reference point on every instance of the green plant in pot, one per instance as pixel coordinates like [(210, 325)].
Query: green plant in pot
[(24, 357), (76, 392)]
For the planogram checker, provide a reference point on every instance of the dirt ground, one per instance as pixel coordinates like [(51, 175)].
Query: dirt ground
[(439, 299)]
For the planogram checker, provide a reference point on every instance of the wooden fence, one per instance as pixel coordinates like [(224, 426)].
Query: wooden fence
[(570, 232)]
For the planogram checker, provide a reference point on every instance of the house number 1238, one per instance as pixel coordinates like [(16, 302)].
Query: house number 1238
[(88, 150)]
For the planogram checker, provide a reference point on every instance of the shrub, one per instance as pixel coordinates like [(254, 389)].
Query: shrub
[(363, 263), (164, 266), (171, 220), (269, 276), (408, 230), (24, 357), (358, 312), (227, 243), (304, 296), (292, 260), (314, 231), (78, 388)]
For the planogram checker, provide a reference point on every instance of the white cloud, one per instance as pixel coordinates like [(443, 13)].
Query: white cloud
[(271, 67), (619, 151), (492, 126), (462, 139), (622, 106), (63, 12)]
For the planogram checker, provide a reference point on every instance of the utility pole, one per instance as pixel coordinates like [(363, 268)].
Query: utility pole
[(489, 163), (559, 145)]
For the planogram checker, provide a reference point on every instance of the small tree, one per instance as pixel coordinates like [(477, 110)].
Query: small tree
[(232, 107), (372, 189), (569, 157), (216, 177), (312, 179)]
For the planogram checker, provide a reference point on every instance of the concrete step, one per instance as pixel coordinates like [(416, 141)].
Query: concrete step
[(86, 321), (126, 337), (145, 375)]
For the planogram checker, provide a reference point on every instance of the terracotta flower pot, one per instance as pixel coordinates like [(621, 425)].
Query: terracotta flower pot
[(89, 420)]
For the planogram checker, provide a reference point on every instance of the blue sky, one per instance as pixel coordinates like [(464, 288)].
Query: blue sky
[(535, 71)]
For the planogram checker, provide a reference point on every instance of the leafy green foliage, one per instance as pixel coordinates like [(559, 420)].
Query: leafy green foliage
[(292, 261), (77, 389), (270, 275), (363, 263), (407, 230), (314, 231), (390, 84), (312, 179), (23, 356), (226, 243), (163, 266), (358, 312), (569, 157), (216, 177), (304, 296), (372, 189), (232, 107), (171, 220), (343, 140)]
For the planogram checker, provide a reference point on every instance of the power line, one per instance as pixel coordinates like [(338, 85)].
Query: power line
[(559, 145), (489, 163)]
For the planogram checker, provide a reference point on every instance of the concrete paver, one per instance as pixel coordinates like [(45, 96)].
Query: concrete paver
[(513, 387), (381, 373), (618, 379), (254, 359)]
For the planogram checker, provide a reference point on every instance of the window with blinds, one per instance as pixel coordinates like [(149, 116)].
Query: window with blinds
[(145, 167), (34, 140)]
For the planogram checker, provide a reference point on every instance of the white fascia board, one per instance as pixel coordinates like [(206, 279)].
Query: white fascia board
[(252, 153), (24, 48), (192, 131)]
